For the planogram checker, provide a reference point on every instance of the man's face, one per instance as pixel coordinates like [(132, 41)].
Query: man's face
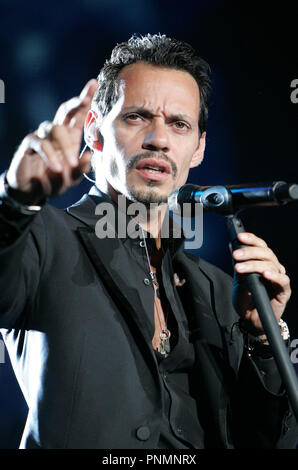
[(151, 135)]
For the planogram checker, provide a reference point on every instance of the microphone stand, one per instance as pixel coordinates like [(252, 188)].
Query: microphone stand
[(227, 200), (270, 325)]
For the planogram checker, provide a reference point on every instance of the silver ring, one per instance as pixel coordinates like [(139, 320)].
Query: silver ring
[(44, 130)]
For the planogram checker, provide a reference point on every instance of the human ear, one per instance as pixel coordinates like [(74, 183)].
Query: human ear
[(92, 135), (198, 156)]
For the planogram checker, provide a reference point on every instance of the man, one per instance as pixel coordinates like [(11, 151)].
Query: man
[(130, 342)]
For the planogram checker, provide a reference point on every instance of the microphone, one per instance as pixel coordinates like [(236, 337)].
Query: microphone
[(232, 198)]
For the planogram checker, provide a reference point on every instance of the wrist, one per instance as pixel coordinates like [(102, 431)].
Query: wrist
[(246, 326), (258, 343), (7, 199)]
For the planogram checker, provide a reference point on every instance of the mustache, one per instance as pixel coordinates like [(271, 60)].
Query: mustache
[(133, 162)]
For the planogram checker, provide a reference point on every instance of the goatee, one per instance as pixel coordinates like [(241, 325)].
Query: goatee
[(147, 196)]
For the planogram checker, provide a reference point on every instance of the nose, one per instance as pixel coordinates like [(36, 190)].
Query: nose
[(156, 137)]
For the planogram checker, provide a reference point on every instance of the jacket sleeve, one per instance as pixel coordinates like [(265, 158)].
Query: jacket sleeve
[(261, 413), (22, 241)]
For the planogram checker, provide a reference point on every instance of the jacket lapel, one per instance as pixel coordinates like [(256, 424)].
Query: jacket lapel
[(208, 307), (198, 300), (212, 355), (114, 267)]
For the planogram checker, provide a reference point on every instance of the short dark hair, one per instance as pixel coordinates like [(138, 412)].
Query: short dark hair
[(158, 50)]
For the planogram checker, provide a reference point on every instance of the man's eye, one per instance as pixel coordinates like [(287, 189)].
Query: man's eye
[(181, 125), (132, 117)]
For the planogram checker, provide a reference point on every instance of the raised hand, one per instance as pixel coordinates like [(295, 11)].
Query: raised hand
[(46, 166)]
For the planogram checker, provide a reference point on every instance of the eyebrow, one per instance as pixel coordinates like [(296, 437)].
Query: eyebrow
[(146, 113)]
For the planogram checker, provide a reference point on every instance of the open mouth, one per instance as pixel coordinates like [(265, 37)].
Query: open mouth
[(151, 168), (153, 165)]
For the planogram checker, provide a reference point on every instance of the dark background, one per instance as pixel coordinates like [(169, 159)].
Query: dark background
[(50, 49)]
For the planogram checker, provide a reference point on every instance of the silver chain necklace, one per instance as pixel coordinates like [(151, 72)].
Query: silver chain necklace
[(165, 334)]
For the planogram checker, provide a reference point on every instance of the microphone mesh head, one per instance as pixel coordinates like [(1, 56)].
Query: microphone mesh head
[(293, 191), (173, 201)]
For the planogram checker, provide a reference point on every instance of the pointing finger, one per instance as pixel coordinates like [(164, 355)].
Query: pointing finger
[(76, 119), (73, 112)]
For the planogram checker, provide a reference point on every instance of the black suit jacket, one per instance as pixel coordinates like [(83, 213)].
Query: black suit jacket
[(72, 315)]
